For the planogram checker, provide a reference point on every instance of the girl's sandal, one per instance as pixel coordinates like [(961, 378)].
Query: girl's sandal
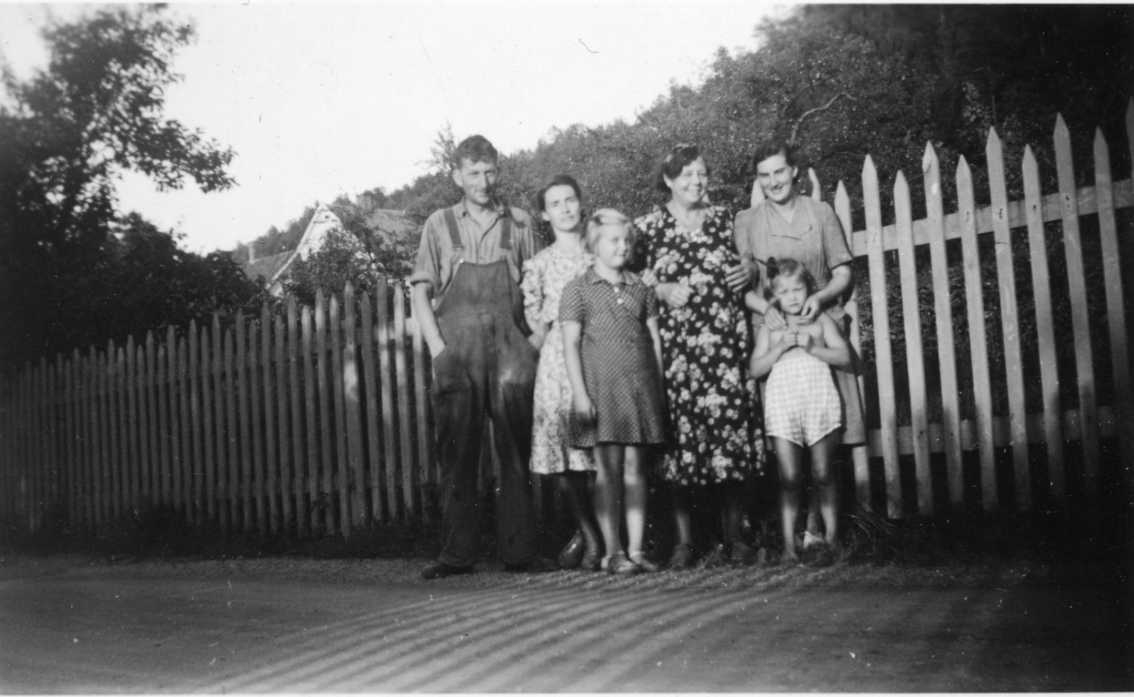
[(643, 563), (620, 564)]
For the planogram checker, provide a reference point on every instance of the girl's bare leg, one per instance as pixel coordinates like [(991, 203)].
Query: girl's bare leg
[(790, 459), (634, 483), (682, 517), (827, 484), (608, 495)]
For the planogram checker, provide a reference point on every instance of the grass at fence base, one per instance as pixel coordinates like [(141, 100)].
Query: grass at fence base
[(1055, 536)]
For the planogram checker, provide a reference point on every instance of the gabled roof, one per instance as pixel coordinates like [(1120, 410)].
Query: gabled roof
[(266, 267), (323, 222)]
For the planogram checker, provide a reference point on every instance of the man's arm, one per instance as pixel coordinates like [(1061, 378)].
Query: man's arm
[(426, 320)]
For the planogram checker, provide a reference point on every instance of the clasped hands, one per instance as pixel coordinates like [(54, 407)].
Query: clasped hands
[(737, 278)]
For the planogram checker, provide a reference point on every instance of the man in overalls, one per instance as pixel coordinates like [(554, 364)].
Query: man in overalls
[(470, 258)]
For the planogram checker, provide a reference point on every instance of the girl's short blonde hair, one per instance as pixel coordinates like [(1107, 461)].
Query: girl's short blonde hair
[(608, 218)]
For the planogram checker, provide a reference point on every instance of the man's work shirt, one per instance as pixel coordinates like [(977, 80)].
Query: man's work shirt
[(436, 261)]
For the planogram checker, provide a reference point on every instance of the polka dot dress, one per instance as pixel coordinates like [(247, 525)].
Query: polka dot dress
[(620, 369)]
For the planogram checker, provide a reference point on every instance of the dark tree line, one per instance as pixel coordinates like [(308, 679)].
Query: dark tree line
[(845, 80), (74, 269)]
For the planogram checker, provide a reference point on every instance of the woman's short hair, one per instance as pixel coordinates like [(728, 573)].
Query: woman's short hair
[(557, 180), (773, 147), (475, 148), (787, 268), (607, 218), (676, 160)]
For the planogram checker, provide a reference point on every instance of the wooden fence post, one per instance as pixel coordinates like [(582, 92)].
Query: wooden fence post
[(243, 389), (233, 513), (1080, 317), (1009, 322), (297, 423), (1115, 316), (389, 436), (943, 314), (337, 377), (915, 363), (978, 344), (327, 463), (860, 454), (371, 382), (210, 439), (880, 317), (406, 441), (287, 428), (270, 472), (351, 383), (1045, 325), (256, 422), (311, 520), (149, 418)]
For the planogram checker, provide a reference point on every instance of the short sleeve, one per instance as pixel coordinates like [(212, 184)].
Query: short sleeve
[(651, 303), (741, 234), (427, 264), (571, 303), (531, 285), (834, 241)]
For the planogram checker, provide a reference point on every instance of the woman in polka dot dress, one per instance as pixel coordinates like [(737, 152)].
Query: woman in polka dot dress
[(613, 351)]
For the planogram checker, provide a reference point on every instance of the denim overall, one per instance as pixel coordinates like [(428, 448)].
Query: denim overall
[(486, 368)]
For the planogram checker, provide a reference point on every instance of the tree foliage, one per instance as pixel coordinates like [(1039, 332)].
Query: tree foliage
[(847, 81), (68, 257)]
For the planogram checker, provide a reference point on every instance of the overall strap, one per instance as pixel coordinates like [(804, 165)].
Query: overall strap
[(506, 231), (454, 230)]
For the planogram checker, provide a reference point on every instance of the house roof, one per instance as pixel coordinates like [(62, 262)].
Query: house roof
[(268, 266)]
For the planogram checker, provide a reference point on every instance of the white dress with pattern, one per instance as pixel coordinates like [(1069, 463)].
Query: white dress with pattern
[(545, 276)]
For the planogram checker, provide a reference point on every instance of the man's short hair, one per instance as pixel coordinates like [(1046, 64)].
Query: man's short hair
[(475, 148)]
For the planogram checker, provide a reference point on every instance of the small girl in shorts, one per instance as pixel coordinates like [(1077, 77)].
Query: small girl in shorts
[(802, 408), (613, 352)]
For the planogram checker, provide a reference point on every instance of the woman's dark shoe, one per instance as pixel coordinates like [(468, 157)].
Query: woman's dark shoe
[(643, 563), (572, 553), (682, 557), (592, 558), (620, 564), (742, 554)]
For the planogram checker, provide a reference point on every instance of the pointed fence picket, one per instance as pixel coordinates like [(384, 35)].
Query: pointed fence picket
[(316, 420)]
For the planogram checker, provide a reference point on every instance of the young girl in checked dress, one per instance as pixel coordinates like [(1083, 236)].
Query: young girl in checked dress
[(545, 275), (613, 350), (802, 408)]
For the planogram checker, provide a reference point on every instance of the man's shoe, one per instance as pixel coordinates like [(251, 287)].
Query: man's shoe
[(538, 565), (443, 570), (572, 553)]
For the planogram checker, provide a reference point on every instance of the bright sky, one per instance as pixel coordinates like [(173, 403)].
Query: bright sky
[(319, 100)]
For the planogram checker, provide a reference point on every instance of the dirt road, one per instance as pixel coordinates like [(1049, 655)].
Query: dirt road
[(370, 625)]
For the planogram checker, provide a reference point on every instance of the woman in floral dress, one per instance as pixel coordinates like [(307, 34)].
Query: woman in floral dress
[(544, 278), (688, 250)]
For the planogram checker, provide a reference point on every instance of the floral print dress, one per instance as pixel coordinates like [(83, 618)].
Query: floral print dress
[(545, 276), (705, 345)]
